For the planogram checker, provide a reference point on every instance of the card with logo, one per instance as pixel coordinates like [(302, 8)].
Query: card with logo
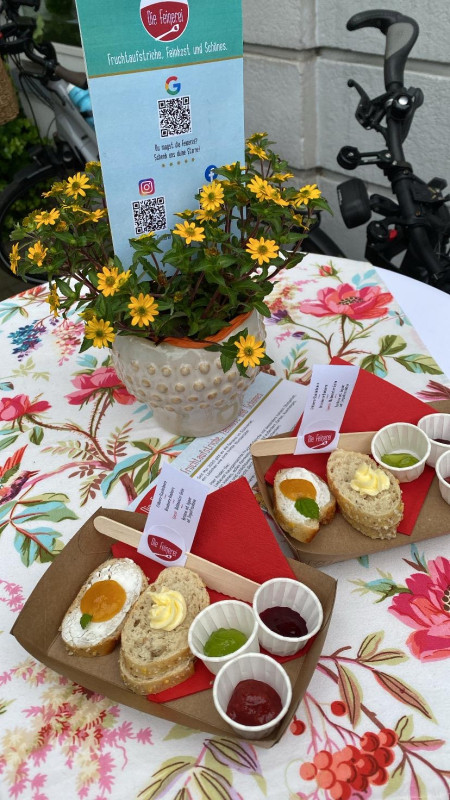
[(328, 397), (173, 517)]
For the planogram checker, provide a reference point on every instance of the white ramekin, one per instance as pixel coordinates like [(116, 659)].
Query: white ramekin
[(402, 437), (224, 614), (443, 471), (436, 426), (258, 667), (293, 594)]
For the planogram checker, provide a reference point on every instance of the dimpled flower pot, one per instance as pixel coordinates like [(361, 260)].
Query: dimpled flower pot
[(185, 386)]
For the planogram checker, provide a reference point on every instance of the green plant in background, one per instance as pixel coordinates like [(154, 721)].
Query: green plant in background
[(220, 263), (16, 137)]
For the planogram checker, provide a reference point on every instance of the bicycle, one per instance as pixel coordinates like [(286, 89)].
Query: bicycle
[(417, 225), (74, 141)]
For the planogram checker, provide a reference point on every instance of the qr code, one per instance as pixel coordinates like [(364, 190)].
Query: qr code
[(174, 116), (149, 215)]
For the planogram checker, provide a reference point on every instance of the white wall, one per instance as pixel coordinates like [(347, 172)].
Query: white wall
[(298, 58)]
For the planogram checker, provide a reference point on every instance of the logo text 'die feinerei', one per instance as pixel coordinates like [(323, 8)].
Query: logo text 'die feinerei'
[(316, 440), (165, 20), (163, 548)]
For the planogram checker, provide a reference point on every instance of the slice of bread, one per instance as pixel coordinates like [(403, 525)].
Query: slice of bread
[(301, 527), (151, 654), (377, 516), (164, 680), (100, 638)]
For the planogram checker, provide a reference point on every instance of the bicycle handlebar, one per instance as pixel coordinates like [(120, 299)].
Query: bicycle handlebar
[(401, 33)]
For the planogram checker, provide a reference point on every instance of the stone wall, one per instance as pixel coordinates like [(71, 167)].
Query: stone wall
[(298, 58)]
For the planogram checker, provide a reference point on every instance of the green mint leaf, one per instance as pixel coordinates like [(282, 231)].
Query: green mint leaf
[(307, 507), (85, 620)]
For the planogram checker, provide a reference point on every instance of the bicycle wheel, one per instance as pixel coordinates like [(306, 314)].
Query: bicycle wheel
[(21, 197)]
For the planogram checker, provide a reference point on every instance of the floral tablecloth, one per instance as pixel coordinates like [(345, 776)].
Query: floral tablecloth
[(375, 721)]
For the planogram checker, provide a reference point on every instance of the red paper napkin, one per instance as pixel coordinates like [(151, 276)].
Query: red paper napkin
[(234, 533), (374, 403)]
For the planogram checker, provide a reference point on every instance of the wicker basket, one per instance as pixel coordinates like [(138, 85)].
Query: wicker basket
[(9, 107)]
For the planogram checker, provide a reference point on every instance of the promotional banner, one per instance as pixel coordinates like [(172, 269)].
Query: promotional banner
[(166, 84)]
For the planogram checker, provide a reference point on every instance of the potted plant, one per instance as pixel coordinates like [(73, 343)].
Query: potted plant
[(195, 295)]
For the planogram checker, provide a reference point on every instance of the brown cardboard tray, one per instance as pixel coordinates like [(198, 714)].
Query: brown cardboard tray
[(338, 541), (36, 629)]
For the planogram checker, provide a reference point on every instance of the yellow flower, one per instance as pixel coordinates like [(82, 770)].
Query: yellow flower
[(37, 253), (123, 277), (305, 194), (14, 257), (100, 330), (178, 296), (57, 188), (108, 281), (61, 226), (250, 352), (184, 214), (92, 164), (205, 216), (263, 250), (262, 189), (143, 310), (282, 176), (46, 217), (93, 216), (211, 196), (77, 185), (256, 136), (255, 150), (88, 314), (145, 236), (53, 300), (189, 231), (278, 199)]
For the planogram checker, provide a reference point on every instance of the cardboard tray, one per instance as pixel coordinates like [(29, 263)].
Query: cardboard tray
[(338, 541), (36, 629)]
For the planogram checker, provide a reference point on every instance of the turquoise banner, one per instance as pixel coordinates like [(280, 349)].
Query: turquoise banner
[(122, 36), (164, 121)]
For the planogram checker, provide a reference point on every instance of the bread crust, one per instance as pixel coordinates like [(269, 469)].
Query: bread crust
[(376, 517), (303, 530), (107, 644), (158, 683)]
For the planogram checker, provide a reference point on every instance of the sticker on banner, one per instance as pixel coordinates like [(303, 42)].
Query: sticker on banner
[(173, 517), (328, 397)]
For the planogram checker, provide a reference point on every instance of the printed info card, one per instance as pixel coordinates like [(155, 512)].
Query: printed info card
[(173, 517), (328, 397)]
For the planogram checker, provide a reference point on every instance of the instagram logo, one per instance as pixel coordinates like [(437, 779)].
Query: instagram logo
[(147, 186)]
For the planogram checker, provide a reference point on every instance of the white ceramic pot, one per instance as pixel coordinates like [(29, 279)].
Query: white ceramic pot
[(187, 389)]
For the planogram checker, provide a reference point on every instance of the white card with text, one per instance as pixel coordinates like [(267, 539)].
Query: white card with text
[(328, 397), (173, 517)]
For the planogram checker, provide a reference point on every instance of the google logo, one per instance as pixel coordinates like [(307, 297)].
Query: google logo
[(171, 87)]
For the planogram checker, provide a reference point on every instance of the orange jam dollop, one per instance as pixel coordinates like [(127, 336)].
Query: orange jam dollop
[(295, 488), (103, 600)]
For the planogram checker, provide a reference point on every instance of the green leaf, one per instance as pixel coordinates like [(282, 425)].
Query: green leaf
[(165, 776), (36, 435), (389, 345), (395, 780), (351, 693), (178, 732), (307, 507), (85, 619), (226, 362), (390, 657), (404, 693), (5, 442), (419, 363), (370, 645), (404, 728), (374, 364)]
